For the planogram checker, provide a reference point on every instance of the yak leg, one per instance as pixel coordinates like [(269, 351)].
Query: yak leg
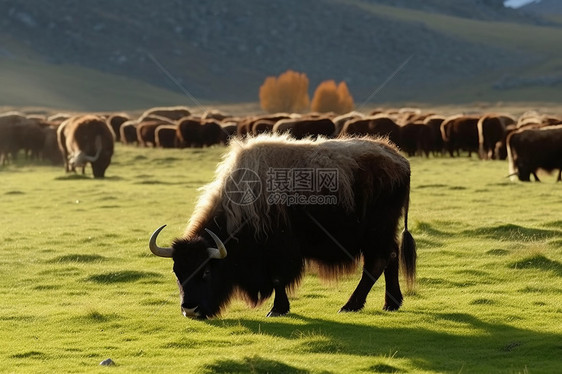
[(536, 178), (372, 270), (280, 303), (393, 296), (559, 179)]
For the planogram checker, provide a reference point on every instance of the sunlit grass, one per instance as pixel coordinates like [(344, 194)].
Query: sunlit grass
[(78, 284)]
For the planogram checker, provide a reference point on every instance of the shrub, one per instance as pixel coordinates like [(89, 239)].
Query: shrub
[(331, 98), (286, 93)]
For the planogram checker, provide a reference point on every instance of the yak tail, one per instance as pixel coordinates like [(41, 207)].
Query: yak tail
[(408, 253)]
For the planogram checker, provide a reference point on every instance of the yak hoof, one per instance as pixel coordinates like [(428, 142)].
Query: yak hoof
[(390, 307), (347, 309), (276, 314)]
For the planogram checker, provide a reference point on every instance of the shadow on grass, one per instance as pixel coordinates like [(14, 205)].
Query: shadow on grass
[(69, 177), (157, 182), (81, 258), (31, 354), (383, 368), (423, 243), (499, 345), (124, 276), (429, 229), (497, 252), (512, 232), (97, 317), (253, 364), (14, 192), (538, 262), (431, 186)]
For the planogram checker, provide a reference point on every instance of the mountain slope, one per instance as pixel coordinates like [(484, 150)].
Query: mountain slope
[(544, 7), (222, 51)]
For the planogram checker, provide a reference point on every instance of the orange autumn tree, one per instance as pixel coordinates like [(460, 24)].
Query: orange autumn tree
[(286, 93), (330, 97)]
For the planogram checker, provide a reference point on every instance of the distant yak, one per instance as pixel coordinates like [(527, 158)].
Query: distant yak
[(531, 149), (86, 139)]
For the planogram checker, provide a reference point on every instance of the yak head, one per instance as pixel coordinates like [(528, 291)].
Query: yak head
[(198, 266), (80, 158)]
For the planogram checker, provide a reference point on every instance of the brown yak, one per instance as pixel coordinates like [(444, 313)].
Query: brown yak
[(86, 139)]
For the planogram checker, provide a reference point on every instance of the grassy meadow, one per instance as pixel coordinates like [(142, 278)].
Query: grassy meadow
[(78, 284)]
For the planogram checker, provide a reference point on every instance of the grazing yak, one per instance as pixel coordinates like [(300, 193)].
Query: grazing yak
[(30, 136), (18, 132), (194, 132), (530, 149), (246, 125), (229, 129), (146, 132), (51, 151), (491, 130), (416, 138), (501, 145), (460, 132), (434, 123), (241, 240), (378, 125), (84, 139), (115, 121), (262, 126), (340, 120), (166, 136), (171, 113), (300, 128), (8, 132), (128, 132), (214, 114)]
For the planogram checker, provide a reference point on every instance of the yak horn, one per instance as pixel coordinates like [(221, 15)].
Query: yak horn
[(219, 252), (159, 251), (512, 174), (98, 152)]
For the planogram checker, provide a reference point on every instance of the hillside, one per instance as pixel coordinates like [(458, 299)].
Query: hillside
[(131, 54), (544, 7)]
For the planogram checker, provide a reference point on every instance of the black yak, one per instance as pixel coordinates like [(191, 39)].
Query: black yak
[(243, 239), (530, 149)]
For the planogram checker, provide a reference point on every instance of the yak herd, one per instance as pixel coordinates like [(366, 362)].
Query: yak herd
[(530, 142)]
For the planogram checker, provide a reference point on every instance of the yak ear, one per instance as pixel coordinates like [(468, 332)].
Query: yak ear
[(219, 252)]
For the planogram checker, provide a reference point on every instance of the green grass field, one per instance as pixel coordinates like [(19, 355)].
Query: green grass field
[(78, 284)]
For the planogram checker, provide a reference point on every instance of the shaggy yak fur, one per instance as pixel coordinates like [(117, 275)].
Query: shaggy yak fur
[(270, 242), (534, 148)]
